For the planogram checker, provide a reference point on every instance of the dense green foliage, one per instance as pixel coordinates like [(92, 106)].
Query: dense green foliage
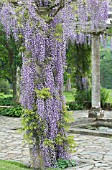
[(106, 68), (63, 163), (75, 106), (83, 99), (6, 100), (15, 111), (69, 96), (33, 128), (83, 96), (110, 95), (5, 71), (78, 64), (10, 57), (4, 86), (104, 96), (10, 60), (37, 129)]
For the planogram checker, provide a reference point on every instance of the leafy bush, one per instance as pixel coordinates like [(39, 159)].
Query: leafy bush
[(82, 96), (63, 163), (83, 99), (4, 86), (69, 96), (75, 106), (104, 96), (6, 100), (15, 111)]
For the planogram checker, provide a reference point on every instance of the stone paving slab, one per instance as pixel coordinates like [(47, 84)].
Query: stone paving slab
[(94, 152), (12, 146)]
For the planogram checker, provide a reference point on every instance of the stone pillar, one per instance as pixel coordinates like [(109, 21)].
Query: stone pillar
[(96, 104), (96, 71)]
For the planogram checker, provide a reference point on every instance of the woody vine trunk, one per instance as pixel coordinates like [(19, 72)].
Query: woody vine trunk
[(42, 97)]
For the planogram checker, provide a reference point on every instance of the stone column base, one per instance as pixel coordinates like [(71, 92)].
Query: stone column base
[(96, 113)]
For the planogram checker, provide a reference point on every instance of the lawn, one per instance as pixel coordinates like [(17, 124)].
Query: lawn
[(10, 165), (70, 96)]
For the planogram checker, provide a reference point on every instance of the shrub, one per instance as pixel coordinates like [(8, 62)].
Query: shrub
[(63, 163), (15, 111), (6, 100), (75, 106), (83, 99), (4, 86), (104, 96), (83, 96)]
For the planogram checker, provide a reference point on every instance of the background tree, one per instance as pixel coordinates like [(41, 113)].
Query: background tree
[(79, 64), (10, 59), (105, 67)]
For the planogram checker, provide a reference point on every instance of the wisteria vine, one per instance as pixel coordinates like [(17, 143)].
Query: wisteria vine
[(44, 39)]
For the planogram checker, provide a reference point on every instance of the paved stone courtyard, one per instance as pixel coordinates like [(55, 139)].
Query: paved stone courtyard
[(12, 146), (95, 153)]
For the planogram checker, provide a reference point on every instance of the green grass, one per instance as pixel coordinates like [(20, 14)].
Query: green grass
[(69, 96), (11, 165)]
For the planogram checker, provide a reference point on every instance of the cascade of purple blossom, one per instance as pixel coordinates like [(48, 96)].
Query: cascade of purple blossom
[(9, 20), (97, 11), (52, 59), (44, 61), (27, 83)]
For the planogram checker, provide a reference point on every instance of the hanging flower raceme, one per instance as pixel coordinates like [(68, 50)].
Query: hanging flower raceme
[(97, 11), (44, 39)]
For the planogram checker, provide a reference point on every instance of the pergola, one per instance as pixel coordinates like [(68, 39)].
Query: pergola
[(96, 111), (45, 10)]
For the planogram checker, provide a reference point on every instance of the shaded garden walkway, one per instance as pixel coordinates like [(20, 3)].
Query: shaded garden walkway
[(95, 152)]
